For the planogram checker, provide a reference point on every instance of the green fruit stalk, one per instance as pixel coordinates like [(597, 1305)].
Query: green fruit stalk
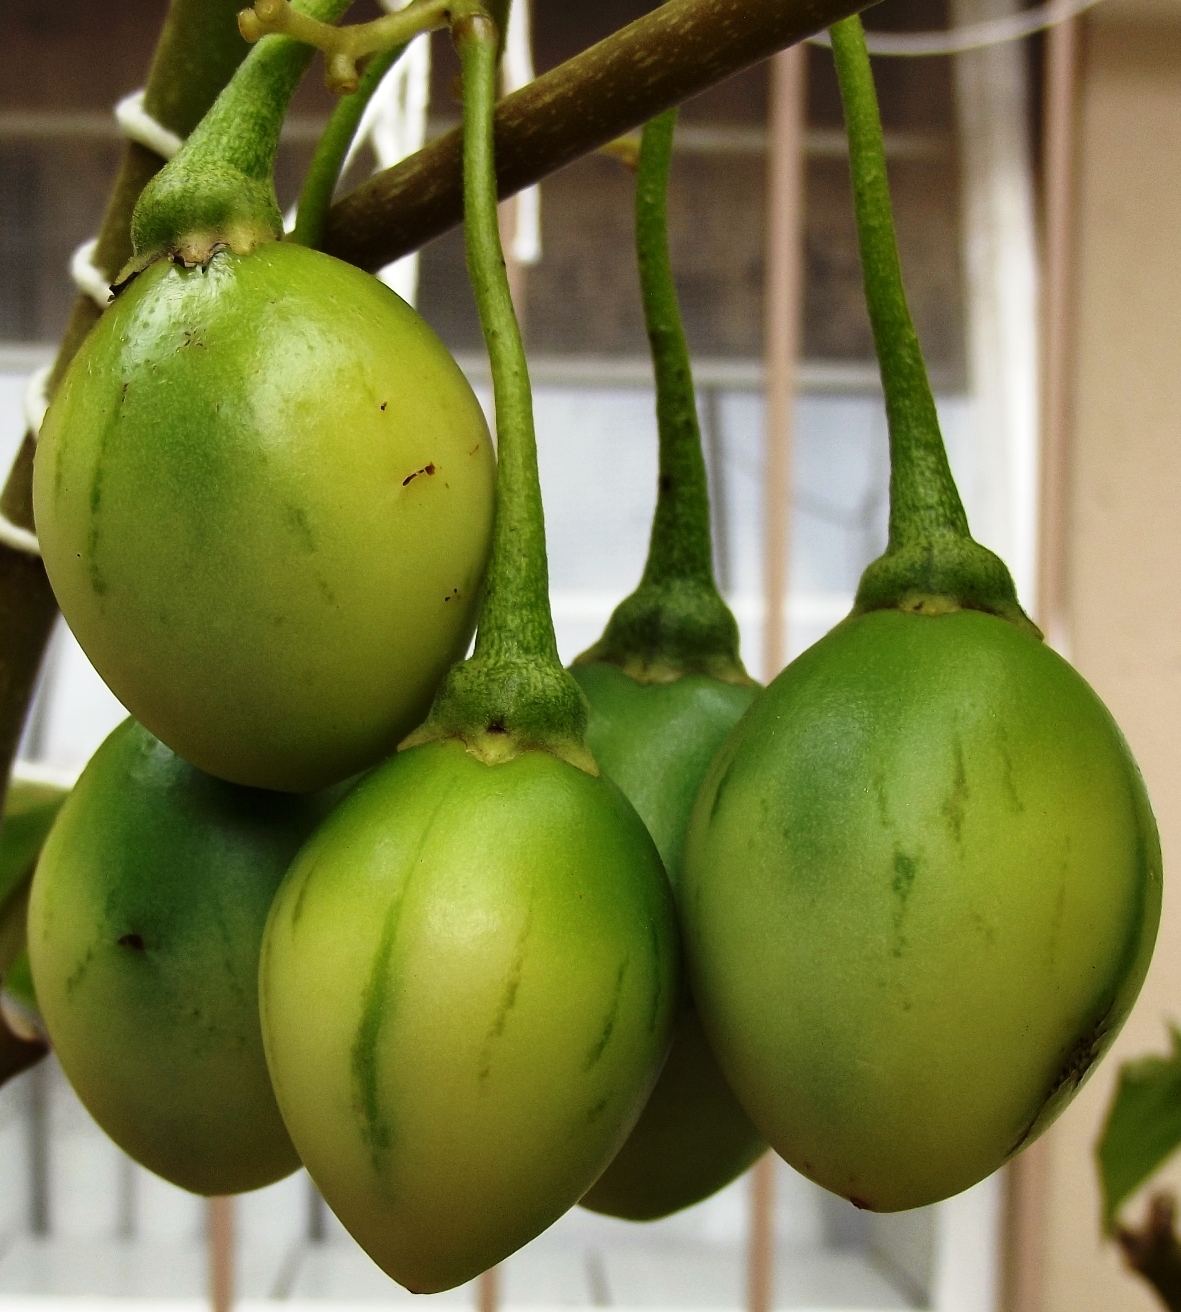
[(665, 686), (263, 490), (145, 921), (470, 973), (923, 880)]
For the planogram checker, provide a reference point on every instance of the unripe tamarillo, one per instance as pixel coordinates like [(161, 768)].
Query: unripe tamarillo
[(263, 493), (467, 985), (656, 741), (145, 919), (921, 890)]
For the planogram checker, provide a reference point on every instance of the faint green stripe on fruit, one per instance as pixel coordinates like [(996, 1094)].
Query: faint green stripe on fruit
[(612, 1015), (374, 1131), (658, 974), (375, 1008), (511, 988)]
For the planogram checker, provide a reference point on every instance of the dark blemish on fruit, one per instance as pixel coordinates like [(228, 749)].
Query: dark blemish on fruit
[(297, 520), (133, 941), (860, 1203), (474, 449), (596, 1111), (666, 482), (123, 393), (953, 808), (453, 593), (384, 404), (426, 469), (905, 868)]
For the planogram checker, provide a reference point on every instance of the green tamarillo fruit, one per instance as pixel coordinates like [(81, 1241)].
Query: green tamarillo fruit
[(923, 880), (145, 920), (467, 987), (470, 973), (263, 490), (665, 686)]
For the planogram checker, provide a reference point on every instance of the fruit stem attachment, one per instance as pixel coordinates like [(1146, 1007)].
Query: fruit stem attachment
[(343, 47), (322, 176), (675, 623), (931, 564), (218, 191), (513, 695)]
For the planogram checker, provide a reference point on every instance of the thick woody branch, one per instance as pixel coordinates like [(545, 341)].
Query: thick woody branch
[(679, 49)]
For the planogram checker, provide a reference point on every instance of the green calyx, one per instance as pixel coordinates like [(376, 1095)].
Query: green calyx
[(675, 623), (218, 192), (513, 695), (931, 565)]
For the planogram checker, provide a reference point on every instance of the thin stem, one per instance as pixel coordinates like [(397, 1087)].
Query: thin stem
[(344, 46), (931, 565), (923, 495), (332, 148), (513, 695), (680, 545), (515, 619), (675, 623)]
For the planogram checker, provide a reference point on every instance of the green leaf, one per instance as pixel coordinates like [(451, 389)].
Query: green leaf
[(1143, 1127)]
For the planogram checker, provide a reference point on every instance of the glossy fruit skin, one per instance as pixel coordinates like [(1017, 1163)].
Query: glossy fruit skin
[(468, 984), (145, 920), (656, 741), (264, 498), (921, 891)]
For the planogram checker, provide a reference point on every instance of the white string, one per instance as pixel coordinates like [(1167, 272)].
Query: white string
[(518, 72), (139, 126), (36, 400), (972, 36), (36, 403), (19, 539), (88, 277), (394, 124), (41, 772)]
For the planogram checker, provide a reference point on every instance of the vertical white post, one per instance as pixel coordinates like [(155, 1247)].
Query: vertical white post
[(1000, 258), (220, 1230), (782, 299), (1061, 98)]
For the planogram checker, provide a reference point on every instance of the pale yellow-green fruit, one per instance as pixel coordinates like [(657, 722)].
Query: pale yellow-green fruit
[(467, 986), (920, 894), (264, 496)]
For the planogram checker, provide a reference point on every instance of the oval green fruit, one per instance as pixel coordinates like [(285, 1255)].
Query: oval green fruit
[(263, 493), (656, 741), (467, 983), (921, 891), (145, 920)]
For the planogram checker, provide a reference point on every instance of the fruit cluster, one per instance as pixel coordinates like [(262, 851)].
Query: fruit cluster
[(601, 934)]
